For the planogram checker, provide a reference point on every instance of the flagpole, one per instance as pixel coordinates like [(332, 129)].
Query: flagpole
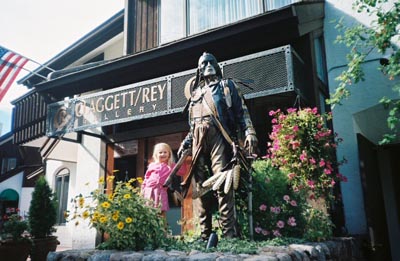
[(33, 72), (42, 65), (22, 67)]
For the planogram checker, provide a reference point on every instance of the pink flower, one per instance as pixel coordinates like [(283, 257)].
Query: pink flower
[(272, 113), (327, 171), (292, 222), (311, 184), (291, 176), (303, 156), (295, 144), (293, 203), (315, 110), (280, 224), (341, 177), (265, 232), (291, 110), (275, 210), (276, 233), (295, 128), (286, 198), (322, 163), (263, 207), (258, 230), (312, 160)]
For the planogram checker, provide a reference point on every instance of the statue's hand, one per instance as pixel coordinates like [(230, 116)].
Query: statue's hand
[(183, 147), (251, 143)]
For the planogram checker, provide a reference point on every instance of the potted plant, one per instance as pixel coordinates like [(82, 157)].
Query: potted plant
[(14, 244), (42, 218)]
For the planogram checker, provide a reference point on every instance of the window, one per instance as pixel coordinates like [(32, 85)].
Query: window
[(181, 18), (61, 186), (207, 14), (8, 164), (275, 4), (172, 20), (320, 59)]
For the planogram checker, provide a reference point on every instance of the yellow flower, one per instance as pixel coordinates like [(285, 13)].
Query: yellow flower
[(120, 225), (115, 216), (128, 220), (111, 197), (105, 204), (103, 219), (96, 214), (85, 214), (110, 178), (66, 215), (81, 201), (101, 180), (132, 180), (126, 196), (140, 180)]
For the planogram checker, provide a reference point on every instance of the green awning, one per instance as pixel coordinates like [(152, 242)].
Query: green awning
[(9, 195)]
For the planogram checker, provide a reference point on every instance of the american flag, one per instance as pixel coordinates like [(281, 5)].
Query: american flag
[(10, 65)]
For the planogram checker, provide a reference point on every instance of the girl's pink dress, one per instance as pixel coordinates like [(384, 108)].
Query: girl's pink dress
[(154, 178)]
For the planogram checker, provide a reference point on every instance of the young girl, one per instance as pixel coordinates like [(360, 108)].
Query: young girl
[(156, 174)]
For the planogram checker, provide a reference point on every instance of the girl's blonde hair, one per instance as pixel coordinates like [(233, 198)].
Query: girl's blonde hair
[(160, 146)]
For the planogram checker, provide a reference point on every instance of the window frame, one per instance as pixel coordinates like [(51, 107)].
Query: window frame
[(62, 200)]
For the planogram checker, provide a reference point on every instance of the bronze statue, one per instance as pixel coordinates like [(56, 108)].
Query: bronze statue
[(217, 114)]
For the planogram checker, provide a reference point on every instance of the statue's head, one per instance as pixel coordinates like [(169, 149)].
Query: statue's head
[(208, 66)]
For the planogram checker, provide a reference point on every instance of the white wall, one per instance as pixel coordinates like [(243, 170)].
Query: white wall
[(85, 172), (53, 166), (347, 121), (15, 183), (89, 168)]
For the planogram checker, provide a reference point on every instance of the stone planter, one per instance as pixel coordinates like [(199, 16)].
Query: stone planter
[(12, 250)]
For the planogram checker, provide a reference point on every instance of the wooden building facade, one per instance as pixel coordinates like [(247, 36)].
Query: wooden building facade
[(280, 49)]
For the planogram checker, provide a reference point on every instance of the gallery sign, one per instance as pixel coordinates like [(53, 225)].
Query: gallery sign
[(123, 104), (274, 71)]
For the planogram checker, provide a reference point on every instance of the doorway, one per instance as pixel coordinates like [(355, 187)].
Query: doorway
[(378, 247), (125, 168)]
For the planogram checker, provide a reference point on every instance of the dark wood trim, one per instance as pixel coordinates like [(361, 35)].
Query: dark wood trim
[(130, 29)]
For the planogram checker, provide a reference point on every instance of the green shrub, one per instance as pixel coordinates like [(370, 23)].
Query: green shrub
[(319, 226), (277, 210), (43, 210)]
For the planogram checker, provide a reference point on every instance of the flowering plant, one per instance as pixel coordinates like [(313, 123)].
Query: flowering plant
[(124, 215), (15, 228), (304, 148), (278, 210)]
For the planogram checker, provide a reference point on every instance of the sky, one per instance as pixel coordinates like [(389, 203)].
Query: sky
[(41, 29)]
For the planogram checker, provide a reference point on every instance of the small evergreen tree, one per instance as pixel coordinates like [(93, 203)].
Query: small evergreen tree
[(43, 210)]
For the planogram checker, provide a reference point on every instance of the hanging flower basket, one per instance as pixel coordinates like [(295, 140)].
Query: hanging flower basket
[(304, 148)]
